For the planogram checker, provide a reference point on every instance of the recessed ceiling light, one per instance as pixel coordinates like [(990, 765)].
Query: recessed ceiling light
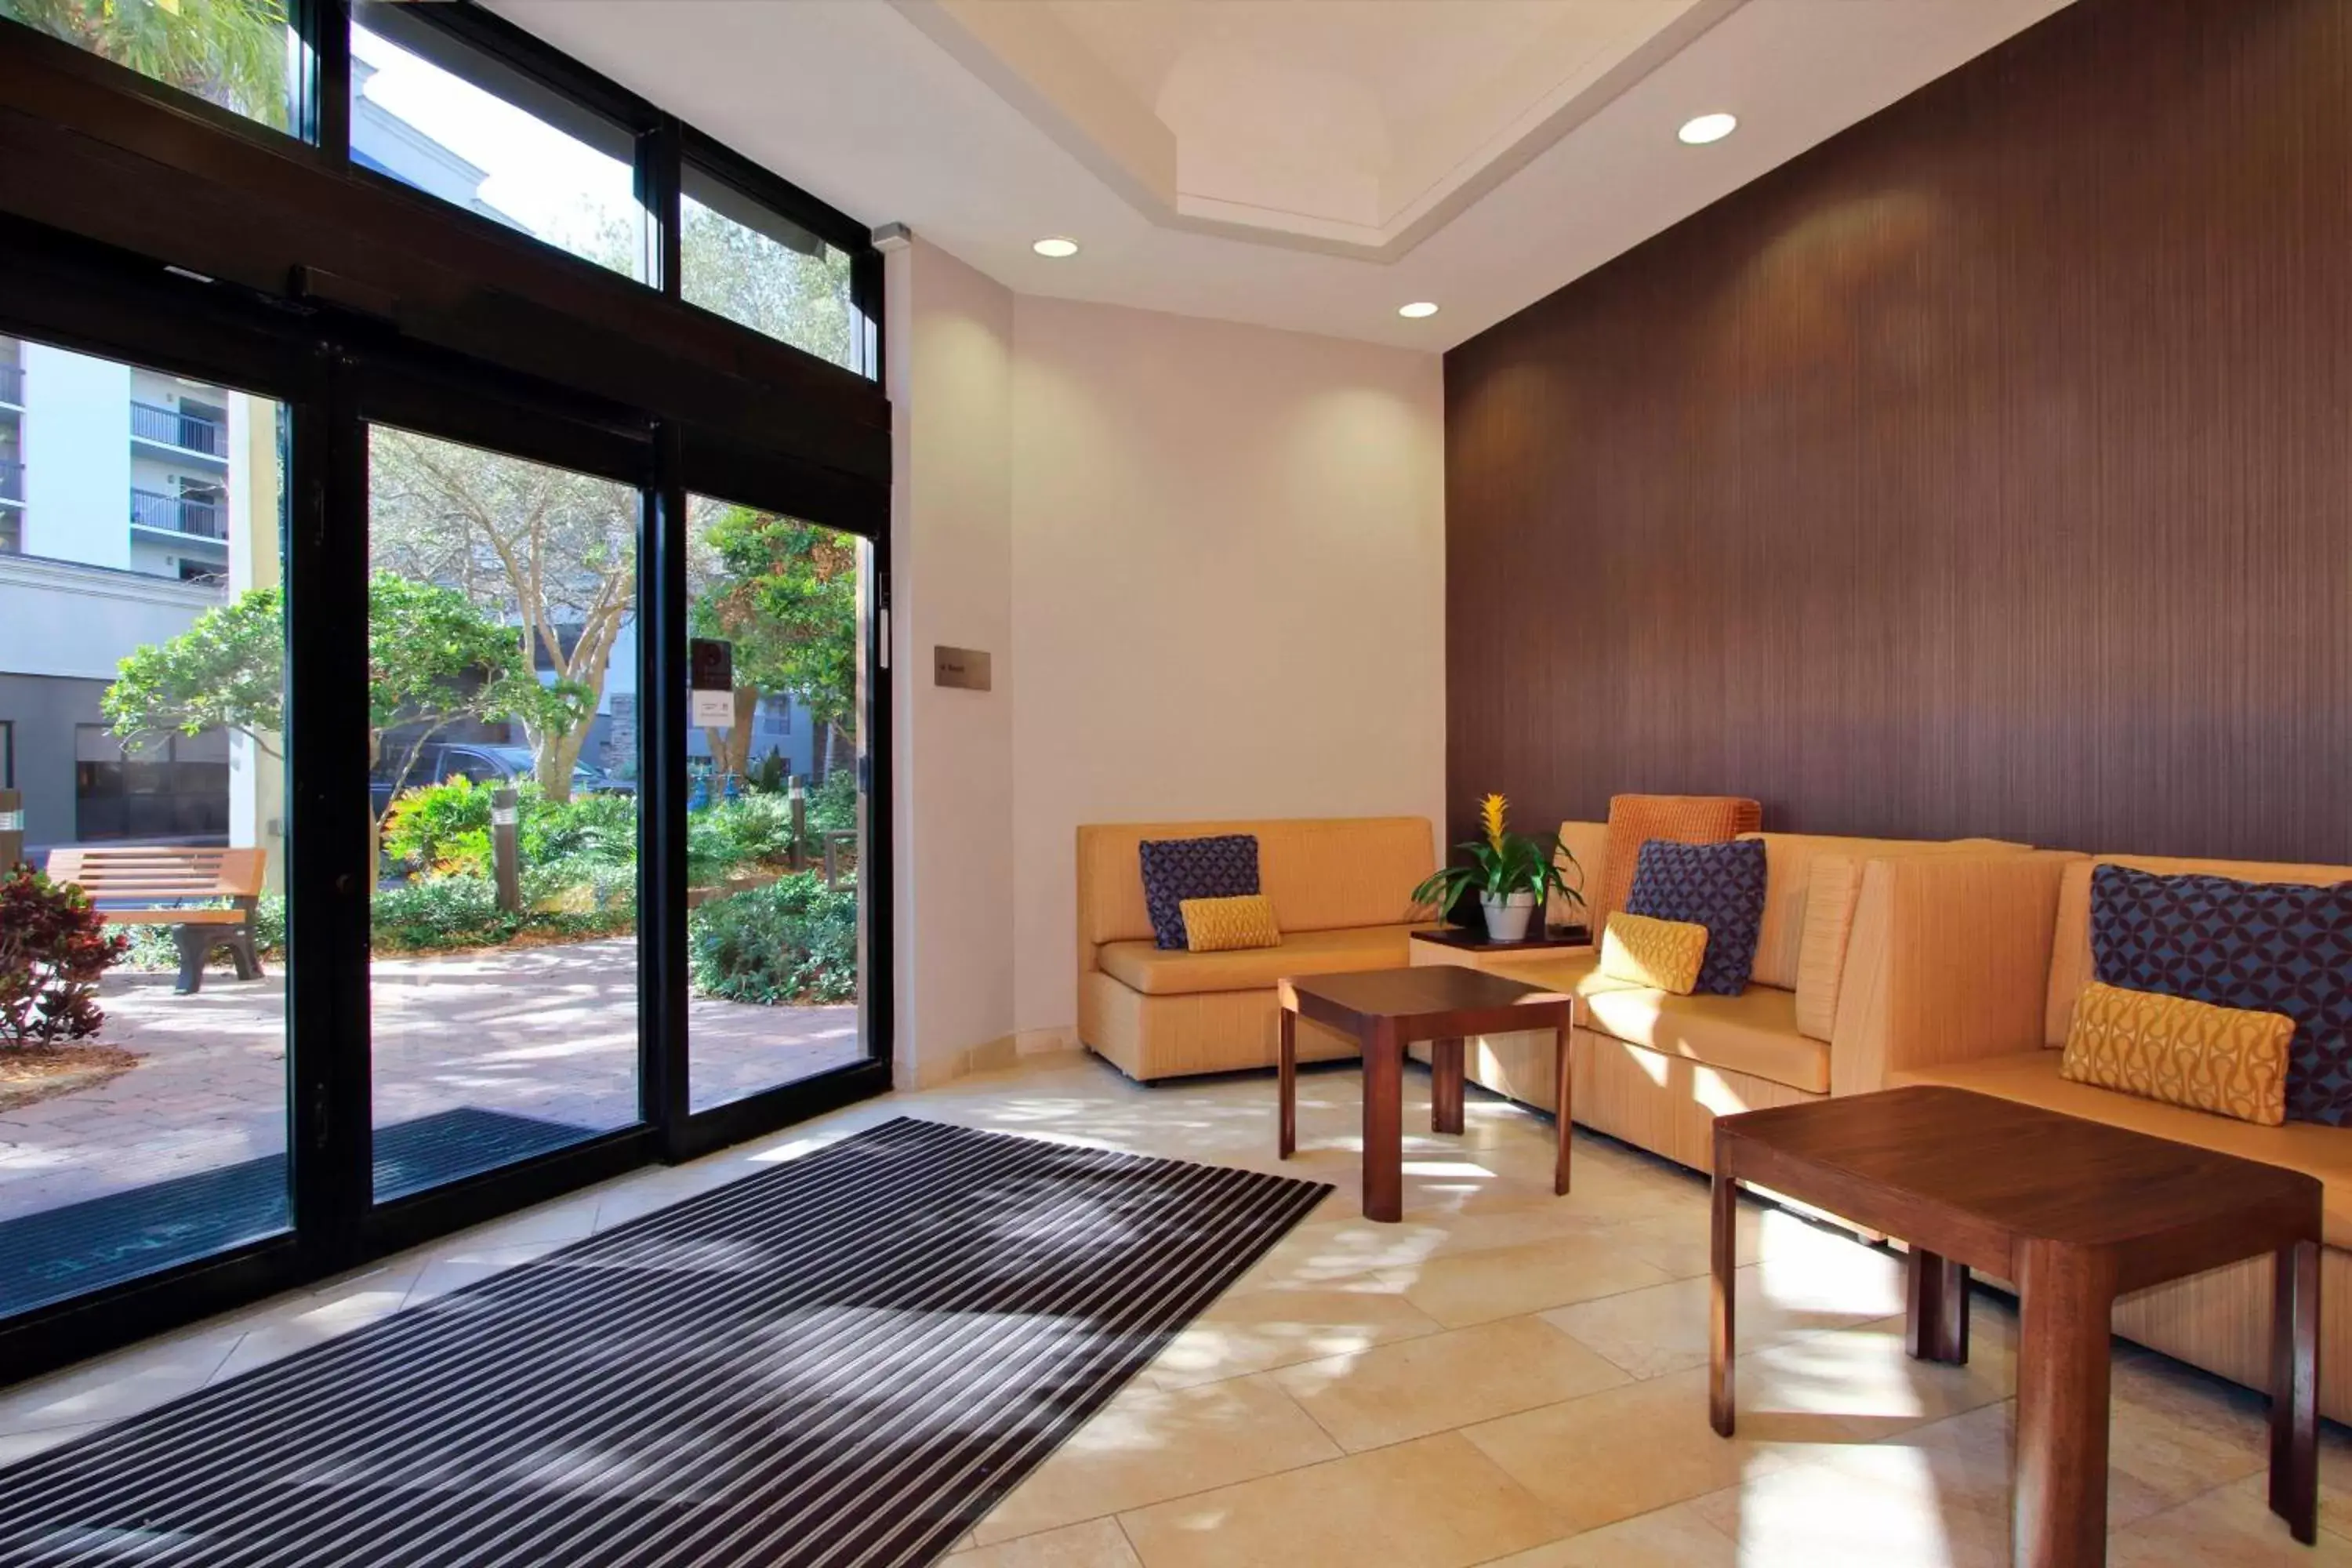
[(1417, 309), (1057, 246), (1709, 127)]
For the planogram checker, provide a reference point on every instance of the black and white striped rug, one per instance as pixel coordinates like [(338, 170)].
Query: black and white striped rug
[(843, 1361)]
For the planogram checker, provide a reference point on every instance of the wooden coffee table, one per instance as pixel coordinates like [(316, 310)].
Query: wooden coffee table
[(1388, 1009), (2074, 1212)]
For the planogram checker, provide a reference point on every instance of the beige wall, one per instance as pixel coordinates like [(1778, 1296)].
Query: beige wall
[(950, 335), (1208, 561), (1227, 592)]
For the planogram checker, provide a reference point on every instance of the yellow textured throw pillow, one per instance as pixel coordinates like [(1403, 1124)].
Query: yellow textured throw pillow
[(2222, 1059), (1666, 954), (1221, 925)]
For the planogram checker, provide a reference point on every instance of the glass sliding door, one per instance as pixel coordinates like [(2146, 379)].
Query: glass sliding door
[(143, 671), (776, 811), (502, 601)]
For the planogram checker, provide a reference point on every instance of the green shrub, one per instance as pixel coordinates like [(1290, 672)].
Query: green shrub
[(444, 824), (54, 947), (440, 912), (152, 947), (833, 803), (788, 941)]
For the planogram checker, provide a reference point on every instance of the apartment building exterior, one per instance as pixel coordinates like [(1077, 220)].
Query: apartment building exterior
[(134, 502)]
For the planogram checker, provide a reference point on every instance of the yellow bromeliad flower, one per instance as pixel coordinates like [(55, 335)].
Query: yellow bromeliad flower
[(1490, 811)]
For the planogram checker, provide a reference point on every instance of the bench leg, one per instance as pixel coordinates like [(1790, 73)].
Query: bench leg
[(196, 945), (246, 954)]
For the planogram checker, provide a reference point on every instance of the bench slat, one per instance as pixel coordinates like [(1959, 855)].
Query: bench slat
[(173, 917), (162, 875)]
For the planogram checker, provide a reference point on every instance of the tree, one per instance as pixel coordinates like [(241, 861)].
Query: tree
[(785, 592), (772, 288), (432, 659), (230, 52), (551, 552)]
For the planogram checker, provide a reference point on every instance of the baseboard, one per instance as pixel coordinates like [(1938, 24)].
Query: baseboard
[(1017, 1049)]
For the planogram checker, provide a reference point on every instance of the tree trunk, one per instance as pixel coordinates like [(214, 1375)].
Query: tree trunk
[(552, 758), (730, 750)]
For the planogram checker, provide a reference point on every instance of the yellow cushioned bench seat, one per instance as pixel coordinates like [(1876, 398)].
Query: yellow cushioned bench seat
[(1753, 1033), (1578, 976), (1157, 971), (2031, 1078)]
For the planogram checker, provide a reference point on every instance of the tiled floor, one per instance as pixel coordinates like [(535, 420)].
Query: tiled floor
[(545, 1032), (1506, 1378)]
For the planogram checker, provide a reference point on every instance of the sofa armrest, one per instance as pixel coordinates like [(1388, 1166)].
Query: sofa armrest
[(1949, 961)]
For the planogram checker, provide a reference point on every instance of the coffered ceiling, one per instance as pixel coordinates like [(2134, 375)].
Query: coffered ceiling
[(1303, 164)]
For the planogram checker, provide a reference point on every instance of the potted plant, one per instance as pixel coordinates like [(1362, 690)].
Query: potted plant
[(1511, 873)]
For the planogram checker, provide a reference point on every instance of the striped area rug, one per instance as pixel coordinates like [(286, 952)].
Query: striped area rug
[(842, 1361)]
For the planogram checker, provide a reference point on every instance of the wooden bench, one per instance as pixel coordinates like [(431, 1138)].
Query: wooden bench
[(167, 885)]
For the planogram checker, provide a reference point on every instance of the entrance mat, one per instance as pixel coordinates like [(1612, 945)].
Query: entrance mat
[(843, 1361), (77, 1247)]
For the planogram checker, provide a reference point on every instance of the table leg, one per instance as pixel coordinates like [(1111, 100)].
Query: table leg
[(2294, 1391), (1445, 1086), (1289, 1073), (1724, 1251), (1383, 1122), (1936, 1308), (1562, 1096), (2065, 1298)]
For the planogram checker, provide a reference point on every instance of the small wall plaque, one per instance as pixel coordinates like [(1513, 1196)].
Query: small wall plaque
[(961, 666)]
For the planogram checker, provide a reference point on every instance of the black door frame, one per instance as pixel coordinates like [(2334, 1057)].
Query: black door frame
[(724, 412)]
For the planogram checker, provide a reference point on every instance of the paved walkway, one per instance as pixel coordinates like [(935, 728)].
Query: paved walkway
[(546, 1032)]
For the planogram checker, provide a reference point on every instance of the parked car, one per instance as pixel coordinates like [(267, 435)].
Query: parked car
[(483, 763)]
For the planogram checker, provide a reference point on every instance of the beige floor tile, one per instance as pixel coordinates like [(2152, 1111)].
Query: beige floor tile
[(121, 1385), (1150, 1444), (1444, 1381), (1097, 1543), (1462, 1288), (2229, 1527), (1679, 1240), (1960, 1470), (1675, 1537), (1255, 1329), (314, 1321), (1627, 1450), (1431, 1503), (1865, 1377), (1812, 1290), (15, 1446), (1883, 1505)]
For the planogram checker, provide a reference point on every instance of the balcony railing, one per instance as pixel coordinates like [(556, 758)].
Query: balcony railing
[(151, 422), (12, 385), (173, 514), (12, 480)]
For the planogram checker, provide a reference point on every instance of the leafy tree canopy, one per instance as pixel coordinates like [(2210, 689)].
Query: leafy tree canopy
[(785, 594), (431, 657), (230, 52)]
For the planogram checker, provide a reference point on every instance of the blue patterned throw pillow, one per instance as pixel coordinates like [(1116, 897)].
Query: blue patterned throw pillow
[(2268, 947), (1718, 885), (1175, 870)]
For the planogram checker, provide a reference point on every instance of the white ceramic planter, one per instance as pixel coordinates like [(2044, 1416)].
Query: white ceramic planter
[(1507, 917)]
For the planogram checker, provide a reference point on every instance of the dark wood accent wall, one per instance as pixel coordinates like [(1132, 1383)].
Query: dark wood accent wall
[(1988, 470)]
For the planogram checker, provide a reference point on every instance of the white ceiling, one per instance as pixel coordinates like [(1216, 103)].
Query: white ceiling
[(1309, 164)]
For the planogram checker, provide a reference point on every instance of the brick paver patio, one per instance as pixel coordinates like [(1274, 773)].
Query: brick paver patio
[(544, 1032)]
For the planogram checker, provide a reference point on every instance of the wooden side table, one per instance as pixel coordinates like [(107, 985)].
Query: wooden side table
[(1388, 1009), (2076, 1213), (1518, 1064)]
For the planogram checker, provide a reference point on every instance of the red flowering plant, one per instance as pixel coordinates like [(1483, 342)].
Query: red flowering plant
[(53, 948)]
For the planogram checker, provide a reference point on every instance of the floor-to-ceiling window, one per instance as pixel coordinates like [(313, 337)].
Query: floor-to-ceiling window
[(392, 622), (146, 1126), (775, 815)]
